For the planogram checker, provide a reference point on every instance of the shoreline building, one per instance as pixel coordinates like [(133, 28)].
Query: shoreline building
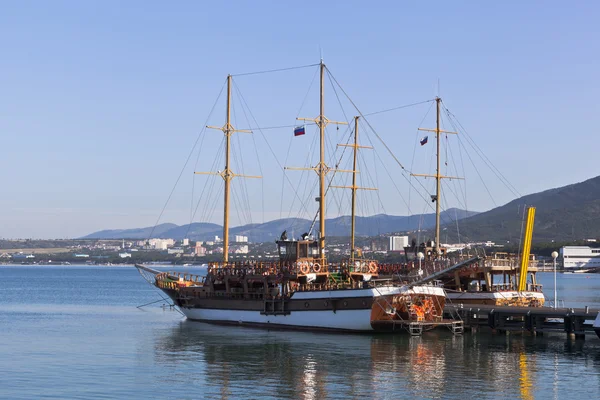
[(398, 243), (579, 258)]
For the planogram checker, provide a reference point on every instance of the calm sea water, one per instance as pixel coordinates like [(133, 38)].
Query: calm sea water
[(75, 332)]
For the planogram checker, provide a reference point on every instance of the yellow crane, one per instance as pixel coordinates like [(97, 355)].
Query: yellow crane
[(526, 248)]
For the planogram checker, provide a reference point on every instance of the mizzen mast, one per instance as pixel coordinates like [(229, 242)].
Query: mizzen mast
[(227, 174), (438, 175), (354, 188)]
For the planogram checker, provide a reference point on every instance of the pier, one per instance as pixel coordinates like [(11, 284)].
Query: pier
[(574, 322)]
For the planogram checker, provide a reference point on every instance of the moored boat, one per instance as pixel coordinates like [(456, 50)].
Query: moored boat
[(302, 289)]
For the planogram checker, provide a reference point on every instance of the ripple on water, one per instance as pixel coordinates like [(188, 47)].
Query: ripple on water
[(76, 333)]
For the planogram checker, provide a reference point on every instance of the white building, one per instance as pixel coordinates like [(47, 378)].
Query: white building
[(241, 239), (175, 250), (161, 244), (398, 243), (186, 242), (241, 249), (579, 258), (199, 250)]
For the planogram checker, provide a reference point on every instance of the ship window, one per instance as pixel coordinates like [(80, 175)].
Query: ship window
[(314, 249), (303, 247), (287, 250)]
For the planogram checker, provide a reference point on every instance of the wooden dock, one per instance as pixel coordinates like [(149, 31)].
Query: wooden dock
[(575, 322), (416, 328)]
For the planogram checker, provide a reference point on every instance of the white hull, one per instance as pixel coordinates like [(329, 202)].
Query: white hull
[(351, 320), (508, 295), (372, 292), (494, 297)]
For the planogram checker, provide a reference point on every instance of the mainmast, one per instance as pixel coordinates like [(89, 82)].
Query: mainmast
[(322, 169), (354, 188), (438, 175), (438, 179), (227, 174), (352, 225), (322, 166)]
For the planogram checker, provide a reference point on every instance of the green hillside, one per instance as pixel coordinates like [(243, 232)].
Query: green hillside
[(562, 214)]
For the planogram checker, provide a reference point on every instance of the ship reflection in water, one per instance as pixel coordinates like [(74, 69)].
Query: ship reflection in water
[(233, 362)]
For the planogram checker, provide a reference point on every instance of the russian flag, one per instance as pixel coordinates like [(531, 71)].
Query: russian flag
[(424, 140), (299, 130)]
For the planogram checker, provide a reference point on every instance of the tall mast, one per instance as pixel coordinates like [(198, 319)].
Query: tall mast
[(227, 174), (354, 188), (438, 174), (438, 178), (353, 227), (322, 166), (322, 169)]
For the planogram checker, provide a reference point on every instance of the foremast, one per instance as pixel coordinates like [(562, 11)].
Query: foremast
[(227, 174), (438, 175)]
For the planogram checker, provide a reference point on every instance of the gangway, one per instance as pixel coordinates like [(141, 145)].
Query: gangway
[(431, 273)]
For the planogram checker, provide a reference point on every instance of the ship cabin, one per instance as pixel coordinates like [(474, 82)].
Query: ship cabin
[(298, 251), (428, 250), (499, 272), (301, 257)]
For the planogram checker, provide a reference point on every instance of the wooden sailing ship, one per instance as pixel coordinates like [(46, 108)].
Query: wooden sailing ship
[(303, 290), (497, 279)]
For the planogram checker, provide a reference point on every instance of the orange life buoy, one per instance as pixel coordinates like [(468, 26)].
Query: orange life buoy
[(316, 267), (304, 268), (372, 267)]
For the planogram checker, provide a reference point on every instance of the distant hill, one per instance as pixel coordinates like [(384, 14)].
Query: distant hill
[(562, 214), (566, 213), (137, 233), (268, 231)]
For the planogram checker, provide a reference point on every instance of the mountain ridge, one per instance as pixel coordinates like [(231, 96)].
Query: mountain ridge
[(568, 212), (271, 230)]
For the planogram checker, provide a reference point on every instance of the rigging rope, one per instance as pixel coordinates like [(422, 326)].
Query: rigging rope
[(399, 108), (480, 152), (184, 166), (267, 142), (275, 70)]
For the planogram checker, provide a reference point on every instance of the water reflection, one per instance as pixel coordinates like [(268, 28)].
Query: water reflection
[(231, 361)]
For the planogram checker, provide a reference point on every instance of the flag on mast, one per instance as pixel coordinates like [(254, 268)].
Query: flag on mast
[(299, 130), (424, 140)]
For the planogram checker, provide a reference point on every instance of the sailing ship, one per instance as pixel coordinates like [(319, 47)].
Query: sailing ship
[(303, 290), (499, 279)]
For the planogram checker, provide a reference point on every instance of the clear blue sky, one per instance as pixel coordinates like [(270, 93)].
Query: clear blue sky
[(101, 101)]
